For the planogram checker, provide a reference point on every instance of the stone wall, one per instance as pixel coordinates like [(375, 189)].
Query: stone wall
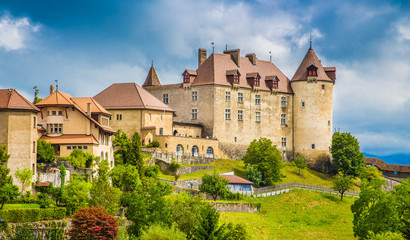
[(192, 169), (53, 176), (235, 207)]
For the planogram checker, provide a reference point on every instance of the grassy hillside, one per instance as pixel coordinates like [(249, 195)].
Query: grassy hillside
[(299, 214)]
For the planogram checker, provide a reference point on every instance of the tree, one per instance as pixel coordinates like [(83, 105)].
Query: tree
[(386, 236), (62, 174), (234, 232), (300, 162), (159, 232), (79, 158), (125, 177), (342, 183), (36, 98), (24, 176), (215, 185), (346, 155), (147, 206), (174, 166), (136, 158), (45, 152), (254, 175), (378, 212), (266, 158), (102, 193), (122, 143), (93, 223), (207, 227), (76, 195), (8, 191), (369, 173)]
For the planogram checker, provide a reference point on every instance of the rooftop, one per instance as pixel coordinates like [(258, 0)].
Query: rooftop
[(12, 100)]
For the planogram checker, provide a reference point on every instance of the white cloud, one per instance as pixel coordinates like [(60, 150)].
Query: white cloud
[(403, 29), (14, 32)]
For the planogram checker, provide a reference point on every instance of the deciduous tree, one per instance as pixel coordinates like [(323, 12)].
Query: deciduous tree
[(25, 177), (346, 155), (254, 175), (8, 191), (76, 195), (215, 185), (342, 183), (300, 162), (45, 152), (125, 177)]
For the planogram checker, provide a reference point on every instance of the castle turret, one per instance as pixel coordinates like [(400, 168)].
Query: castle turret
[(312, 85), (152, 78)]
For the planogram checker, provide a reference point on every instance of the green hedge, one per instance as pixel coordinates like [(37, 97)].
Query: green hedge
[(32, 214)]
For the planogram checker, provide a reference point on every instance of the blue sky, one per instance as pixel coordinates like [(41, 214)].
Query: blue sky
[(88, 45)]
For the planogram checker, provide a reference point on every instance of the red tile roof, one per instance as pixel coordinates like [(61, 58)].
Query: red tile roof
[(388, 167), (12, 100), (71, 139), (129, 96), (95, 106), (311, 59), (152, 78), (233, 179), (43, 184), (56, 99), (214, 71)]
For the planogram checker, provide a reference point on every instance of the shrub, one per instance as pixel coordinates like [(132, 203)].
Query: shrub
[(153, 144), (32, 214), (93, 223), (158, 232)]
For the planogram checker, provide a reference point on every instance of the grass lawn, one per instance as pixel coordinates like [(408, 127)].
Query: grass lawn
[(307, 176), (14, 206), (299, 214)]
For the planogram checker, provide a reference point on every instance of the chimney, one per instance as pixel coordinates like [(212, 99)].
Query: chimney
[(51, 89), (201, 56), (89, 109), (236, 55), (252, 58)]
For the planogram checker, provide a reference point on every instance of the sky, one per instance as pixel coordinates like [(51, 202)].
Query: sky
[(88, 45)]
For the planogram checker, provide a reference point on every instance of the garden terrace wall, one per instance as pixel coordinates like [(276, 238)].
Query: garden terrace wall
[(32, 214)]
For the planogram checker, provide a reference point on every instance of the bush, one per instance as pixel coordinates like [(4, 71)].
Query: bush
[(158, 232), (32, 214), (93, 223), (153, 144)]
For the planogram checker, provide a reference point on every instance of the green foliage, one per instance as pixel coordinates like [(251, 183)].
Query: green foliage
[(174, 166), (79, 158), (147, 206), (264, 156), (22, 232), (125, 177), (386, 236), (369, 173), (215, 185), (377, 211), (44, 200), (300, 162), (207, 227), (75, 195), (153, 144), (93, 223), (136, 158), (45, 152), (32, 214), (234, 232), (342, 183), (254, 175), (24, 176), (36, 98), (62, 174), (122, 143), (346, 155), (159, 232), (8, 192), (152, 171)]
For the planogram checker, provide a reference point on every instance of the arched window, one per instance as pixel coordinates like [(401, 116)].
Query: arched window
[(180, 150), (106, 155), (194, 151), (102, 155), (209, 152)]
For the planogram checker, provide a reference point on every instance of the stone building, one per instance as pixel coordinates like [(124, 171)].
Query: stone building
[(76, 123), (18, 130), (237, 99)]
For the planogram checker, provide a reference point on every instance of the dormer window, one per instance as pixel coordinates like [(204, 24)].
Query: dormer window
[(186, 78), (312, 71), (233, 76), (272, 82), (275, 83), (257, 81), (254, 79), (235, 79)]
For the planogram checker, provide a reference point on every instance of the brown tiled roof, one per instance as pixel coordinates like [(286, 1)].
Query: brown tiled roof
[(129, 96), (43, 184), (11, 99), (57, 98), (191, 72), (231, 72), (95, 106), (387, 167), (237, 180), (251, 75), (213, 71), (152, 78), (310, 59), (168, 86), (267, 78), (71, 139)]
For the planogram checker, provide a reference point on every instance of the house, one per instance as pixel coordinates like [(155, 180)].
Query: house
[(389, 170), (76, 123), (238, 184), (18, 130)]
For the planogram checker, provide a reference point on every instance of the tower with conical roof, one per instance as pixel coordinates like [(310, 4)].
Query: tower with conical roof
[(312, 85), (152, 78)]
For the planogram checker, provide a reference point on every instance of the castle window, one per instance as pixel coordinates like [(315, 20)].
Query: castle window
[(85, 147), (180, 150), (302, 104), (34, 122), (275, 83), (313, 146), (161, 131), (257, 81), (283, 102), (54, 113), (80, 147), (240, 115), (240, 97), (68, 147), (209, 152), (227, 114), (194, 151), (227, 96), (328, 122), (323, 86), (235, 78), (235, 139), (119, 116), (60, 113), (194, 96), (34, 146), (257, 99), (186, 78), (283, 142), (165, 98), (283, 119), (312, 71), (166, 145), (257, 116), (194, 114)]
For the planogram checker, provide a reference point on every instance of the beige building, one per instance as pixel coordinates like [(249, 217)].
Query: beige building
[(238, 99), (18, 130), (76, 123)]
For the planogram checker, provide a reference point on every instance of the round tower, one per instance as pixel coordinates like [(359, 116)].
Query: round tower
[(312, 86)]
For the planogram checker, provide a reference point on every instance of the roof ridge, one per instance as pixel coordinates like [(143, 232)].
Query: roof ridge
[(27, 101), (139, 95), (8, 101)]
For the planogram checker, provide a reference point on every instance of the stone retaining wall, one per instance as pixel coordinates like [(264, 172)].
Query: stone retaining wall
[(235, 207)]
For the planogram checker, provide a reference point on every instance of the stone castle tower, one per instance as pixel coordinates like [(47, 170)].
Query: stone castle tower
[(312, 86)]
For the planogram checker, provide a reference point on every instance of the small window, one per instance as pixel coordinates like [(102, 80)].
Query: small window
[(235, 78), (257, 81), (257, 99), (180, 150), (80, 147), (323, 86), (283, 119), (186, 78), (240, 115), (166, 145), (165, 98), (194, 151), (283, 101), (54, 113), (110, 118), (313, 146), (209, 152), (283, 142), (257, 116), (68, 147), (34, 122), (194, 96), (85, 147), (227, 114), (235, 139), (119, 116), (395, 172), (74, 147), (275, 83), (194, 114), (60, 128), (240, 97), (60, 113), (34, 147), (328, 122), (302, 104), (161, 131), (227, 96), (56, 128)]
